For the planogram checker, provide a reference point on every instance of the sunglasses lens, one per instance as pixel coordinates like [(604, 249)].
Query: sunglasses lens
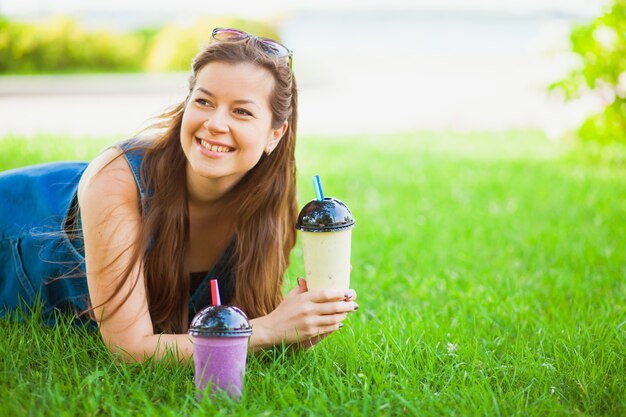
[(229, 35), (273, 48), (269, 46)]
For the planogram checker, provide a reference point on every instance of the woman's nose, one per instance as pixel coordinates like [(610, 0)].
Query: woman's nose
[(216, 123)]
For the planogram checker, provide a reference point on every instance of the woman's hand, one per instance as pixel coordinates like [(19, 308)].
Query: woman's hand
[(303, 317)]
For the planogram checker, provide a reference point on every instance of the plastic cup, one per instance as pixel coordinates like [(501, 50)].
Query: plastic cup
[(220, 343), (326, 228)]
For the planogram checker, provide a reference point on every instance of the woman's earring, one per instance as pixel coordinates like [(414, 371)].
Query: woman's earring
[(268, 151)]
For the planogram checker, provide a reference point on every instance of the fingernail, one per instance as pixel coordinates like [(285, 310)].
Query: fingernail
[(340, 325), (356, 306), (349, 295), (298, 280)]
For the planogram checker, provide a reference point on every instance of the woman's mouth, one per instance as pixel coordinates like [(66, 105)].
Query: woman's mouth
[(213, 147)]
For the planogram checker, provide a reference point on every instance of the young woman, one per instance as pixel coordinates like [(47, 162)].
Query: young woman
[(134, 237)]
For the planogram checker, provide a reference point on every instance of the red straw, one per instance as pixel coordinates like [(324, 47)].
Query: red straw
[(215, 293)]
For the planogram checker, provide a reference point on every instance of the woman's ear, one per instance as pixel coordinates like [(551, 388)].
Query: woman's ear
[(276, 136)]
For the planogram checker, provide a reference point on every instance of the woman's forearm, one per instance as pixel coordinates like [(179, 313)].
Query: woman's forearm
[(180, 346), (177, 347), (261, 335)]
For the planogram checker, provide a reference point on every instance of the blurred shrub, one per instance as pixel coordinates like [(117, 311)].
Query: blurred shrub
[(601, 47), (174, 46), (60, 44)]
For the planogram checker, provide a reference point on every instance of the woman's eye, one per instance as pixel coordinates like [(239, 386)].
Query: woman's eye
[(243, 112), (203, 102)]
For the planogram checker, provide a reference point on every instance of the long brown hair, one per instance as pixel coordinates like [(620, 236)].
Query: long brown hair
[(264, 228)]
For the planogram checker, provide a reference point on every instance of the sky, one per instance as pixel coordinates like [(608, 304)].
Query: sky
[(260, 9)]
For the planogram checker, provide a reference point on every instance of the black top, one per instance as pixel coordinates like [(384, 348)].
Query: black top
[(200, 283), (195, 279)]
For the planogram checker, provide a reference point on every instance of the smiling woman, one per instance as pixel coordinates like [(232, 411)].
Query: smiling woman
[(130, 241), (228, 124)]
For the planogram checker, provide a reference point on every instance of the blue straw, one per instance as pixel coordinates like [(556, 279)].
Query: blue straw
[(317, 185)]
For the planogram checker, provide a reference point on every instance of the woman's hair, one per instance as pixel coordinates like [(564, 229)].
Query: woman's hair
[(263, 202)]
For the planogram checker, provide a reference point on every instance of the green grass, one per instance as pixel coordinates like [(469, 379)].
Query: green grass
[(490, 270)]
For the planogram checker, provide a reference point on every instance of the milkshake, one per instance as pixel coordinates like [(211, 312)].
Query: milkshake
[(220, 343), (326, 225)]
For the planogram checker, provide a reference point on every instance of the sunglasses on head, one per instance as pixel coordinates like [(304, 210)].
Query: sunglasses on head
[(269, 46)]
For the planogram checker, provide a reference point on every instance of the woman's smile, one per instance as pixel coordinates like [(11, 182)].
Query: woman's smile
[(214, 147)]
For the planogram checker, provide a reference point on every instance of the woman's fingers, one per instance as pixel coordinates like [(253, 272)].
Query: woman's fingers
[(330, 320), (320, 324), (331, 301), (336, 307), (316, 339), (326, 330), (302, 285), (323, 296), (322, 333)]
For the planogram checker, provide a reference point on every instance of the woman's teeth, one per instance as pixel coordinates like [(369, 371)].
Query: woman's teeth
[(215, 148)]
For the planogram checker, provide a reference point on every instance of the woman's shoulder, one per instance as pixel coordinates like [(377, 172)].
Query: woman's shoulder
[(108, 178), (118, 163)]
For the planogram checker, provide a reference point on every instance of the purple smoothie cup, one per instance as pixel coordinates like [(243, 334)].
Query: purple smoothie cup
[(220, 344)]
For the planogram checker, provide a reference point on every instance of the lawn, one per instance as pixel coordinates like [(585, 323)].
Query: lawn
[(490, 270)]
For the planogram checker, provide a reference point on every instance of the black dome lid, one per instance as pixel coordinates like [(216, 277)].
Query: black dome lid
[(226, 321), (329, 215)]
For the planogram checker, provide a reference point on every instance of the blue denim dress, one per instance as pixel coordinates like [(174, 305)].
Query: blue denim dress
[(41, 263)]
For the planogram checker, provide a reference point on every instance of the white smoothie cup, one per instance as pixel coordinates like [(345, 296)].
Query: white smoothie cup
[(326, 228)]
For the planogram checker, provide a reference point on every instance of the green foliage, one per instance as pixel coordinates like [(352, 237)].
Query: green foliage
[(18, 151), (60, 44), (490, 277), (601, 47), (174, 46)]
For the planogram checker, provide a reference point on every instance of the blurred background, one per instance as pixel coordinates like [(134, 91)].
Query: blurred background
[(103, 68)]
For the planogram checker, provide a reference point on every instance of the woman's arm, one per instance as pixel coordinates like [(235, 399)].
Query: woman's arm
[(110, 213)]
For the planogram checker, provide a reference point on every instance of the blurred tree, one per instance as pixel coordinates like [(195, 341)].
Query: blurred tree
[(601, 47), (175, 46), (60, 44)]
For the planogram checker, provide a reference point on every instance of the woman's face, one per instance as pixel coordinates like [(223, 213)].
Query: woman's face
[(227, 122)]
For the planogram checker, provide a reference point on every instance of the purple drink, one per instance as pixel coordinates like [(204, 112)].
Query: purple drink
[(220, 343)]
